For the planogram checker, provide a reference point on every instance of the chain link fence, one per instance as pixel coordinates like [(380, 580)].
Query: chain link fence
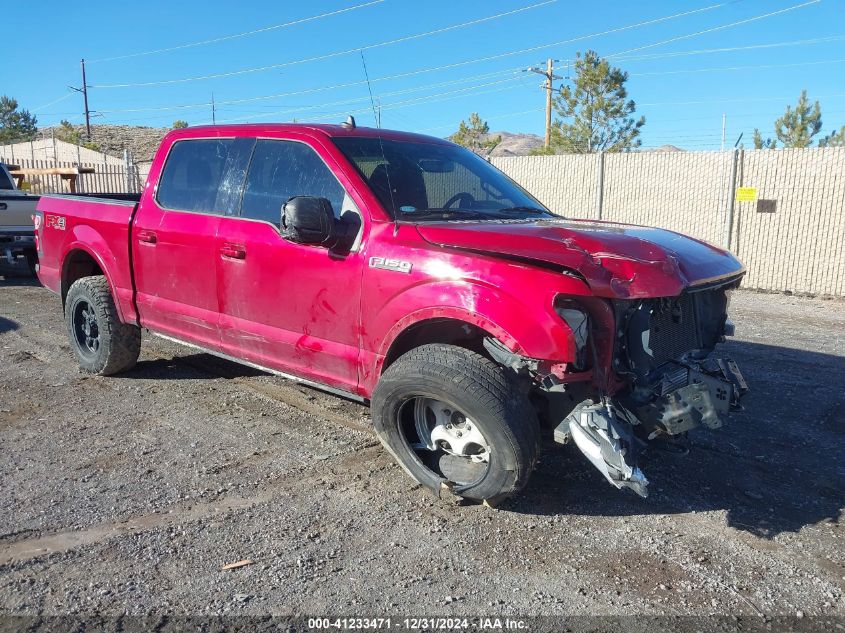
[(791, 237)]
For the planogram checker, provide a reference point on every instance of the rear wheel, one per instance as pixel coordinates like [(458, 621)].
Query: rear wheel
[(32, 262), (102, 343), (451, 416)]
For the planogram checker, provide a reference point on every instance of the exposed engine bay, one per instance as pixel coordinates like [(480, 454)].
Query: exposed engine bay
[(665, 352)]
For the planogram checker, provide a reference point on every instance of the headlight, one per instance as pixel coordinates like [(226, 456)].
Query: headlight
[(579, 322)]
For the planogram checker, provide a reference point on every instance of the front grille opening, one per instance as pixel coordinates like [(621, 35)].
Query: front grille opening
[(673, 328)]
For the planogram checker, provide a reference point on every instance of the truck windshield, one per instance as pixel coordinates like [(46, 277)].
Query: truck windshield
[(430, 182)]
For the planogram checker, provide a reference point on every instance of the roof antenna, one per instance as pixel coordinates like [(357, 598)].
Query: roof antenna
[(349, 124), (370, 88), (381, 146)]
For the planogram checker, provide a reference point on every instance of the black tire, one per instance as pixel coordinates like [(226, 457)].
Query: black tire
[(31, 262), (102, 343), (484, 392)]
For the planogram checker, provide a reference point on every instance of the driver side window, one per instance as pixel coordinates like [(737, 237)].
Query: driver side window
[(280, 170)]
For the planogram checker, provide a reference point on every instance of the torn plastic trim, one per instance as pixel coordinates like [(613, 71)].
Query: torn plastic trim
[(509, 359), (537, 370), (607, 442)]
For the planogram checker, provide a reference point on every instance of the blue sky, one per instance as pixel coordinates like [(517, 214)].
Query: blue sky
[(682, 87)]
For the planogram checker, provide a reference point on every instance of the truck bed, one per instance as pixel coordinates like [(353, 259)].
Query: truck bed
[(89, 232)]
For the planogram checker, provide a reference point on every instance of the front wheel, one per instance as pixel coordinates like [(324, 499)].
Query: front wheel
[(451, 416), (103, 344)]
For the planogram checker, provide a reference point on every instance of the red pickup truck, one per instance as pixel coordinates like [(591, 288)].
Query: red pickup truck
[(407, 272)]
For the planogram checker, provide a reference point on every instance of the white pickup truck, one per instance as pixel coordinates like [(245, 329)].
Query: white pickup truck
[(17, 233)]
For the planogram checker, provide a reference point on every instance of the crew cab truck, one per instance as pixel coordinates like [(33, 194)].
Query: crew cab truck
[(409, 273), (17, 234)]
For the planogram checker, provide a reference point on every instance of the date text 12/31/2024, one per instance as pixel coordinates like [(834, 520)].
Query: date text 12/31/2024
[(418, 624)]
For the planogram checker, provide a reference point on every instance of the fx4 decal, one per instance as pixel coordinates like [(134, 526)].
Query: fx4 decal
[(55, 222), (396, 265)]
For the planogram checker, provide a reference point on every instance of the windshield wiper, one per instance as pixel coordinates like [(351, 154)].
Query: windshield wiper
[(523, 209), (450, 214)]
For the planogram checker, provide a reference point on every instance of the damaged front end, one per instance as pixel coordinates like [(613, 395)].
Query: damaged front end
[(667, 380)]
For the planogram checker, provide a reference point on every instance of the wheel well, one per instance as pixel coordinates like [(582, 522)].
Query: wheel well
[(77, 264), (447, 331)]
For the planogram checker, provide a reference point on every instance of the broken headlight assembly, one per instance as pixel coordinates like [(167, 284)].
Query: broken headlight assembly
[(574, 315), (674, 381)]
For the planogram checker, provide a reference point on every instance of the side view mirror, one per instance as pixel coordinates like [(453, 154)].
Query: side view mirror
[(308, 220)]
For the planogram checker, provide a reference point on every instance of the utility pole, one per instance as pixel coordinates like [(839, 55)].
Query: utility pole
[(213, 111), (84, 91), (85, 98), (724, 130), (550, 76)]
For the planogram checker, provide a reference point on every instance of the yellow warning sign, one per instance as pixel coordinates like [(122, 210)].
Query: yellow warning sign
[(746, 194)]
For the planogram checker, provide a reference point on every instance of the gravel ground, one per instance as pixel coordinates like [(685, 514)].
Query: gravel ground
[(128, 494)]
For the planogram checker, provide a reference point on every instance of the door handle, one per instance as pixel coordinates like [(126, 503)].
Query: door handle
[(3, 206), (233, 251), (148, 237)]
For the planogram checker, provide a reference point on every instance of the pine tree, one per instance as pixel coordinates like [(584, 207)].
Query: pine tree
[(759, 143), (834, 139), (796, 128), (596, 112), (179, 124), (69, 133), (15, 125), (475, 135)]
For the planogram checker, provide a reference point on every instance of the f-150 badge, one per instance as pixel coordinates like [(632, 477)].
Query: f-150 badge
[(396, 265)]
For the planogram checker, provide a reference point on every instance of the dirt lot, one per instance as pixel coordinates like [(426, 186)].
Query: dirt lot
[(128, 494)]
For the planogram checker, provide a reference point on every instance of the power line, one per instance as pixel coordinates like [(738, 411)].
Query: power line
[(412, 102), (330, 55), (731, 68), (440, 67), (718, 28), (225, 38), (307, 91), (442, 96), (739, 100), (731, 49), (501, 55), (490, 118), (519, 51), (55, 101), (423, 99)]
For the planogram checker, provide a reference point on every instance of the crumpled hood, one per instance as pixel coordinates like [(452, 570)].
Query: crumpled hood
[(617, 260)]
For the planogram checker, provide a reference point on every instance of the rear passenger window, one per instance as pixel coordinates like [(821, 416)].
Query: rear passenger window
[(191, 176), (5, 183), (281, 170)]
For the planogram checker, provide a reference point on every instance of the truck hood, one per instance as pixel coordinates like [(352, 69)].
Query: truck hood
[(616, 260)]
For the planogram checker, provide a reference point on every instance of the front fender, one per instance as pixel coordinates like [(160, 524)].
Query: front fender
[(513, 303), (524, 327)]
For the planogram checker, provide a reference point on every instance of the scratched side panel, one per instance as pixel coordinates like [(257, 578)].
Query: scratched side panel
[(290, 307), (175, 277)]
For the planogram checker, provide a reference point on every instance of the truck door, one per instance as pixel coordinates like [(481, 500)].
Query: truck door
[(174, 238), (286, 306)]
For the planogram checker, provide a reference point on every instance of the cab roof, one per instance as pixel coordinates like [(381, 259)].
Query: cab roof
[(328, 130)]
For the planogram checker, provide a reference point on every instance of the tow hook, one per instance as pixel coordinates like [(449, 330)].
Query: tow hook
[(607, 442)]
